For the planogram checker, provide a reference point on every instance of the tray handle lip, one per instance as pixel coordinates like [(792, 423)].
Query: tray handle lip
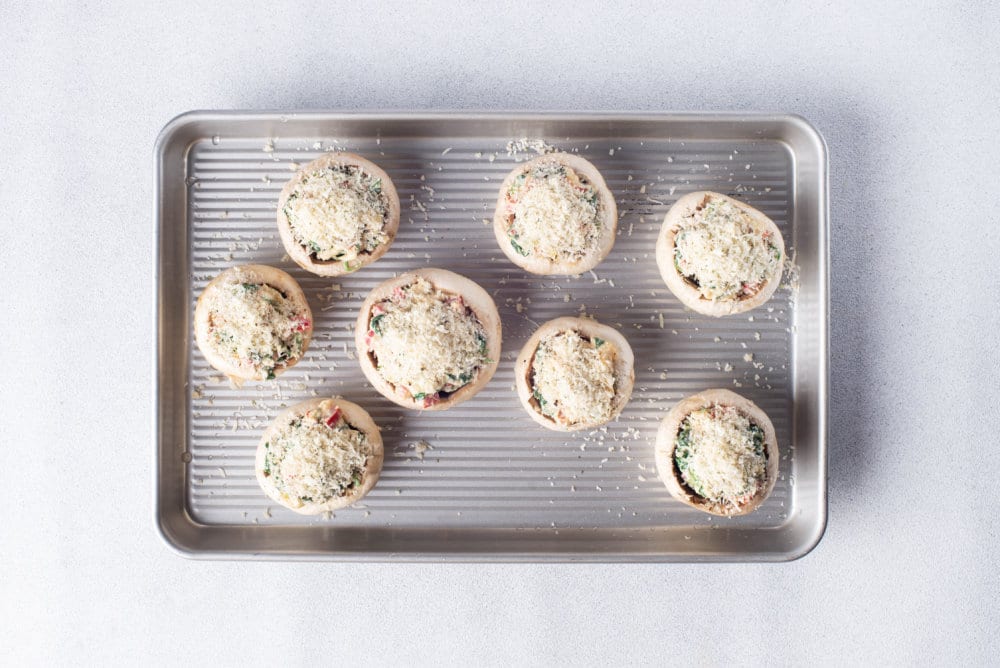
[(186, 550), (812, 134), (823, 191), (808, 128), (168, 133), (192, 116), (816, 536), (173, 541), (164, 140)]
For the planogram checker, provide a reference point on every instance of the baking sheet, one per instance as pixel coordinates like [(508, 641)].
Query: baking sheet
[(482, 480)]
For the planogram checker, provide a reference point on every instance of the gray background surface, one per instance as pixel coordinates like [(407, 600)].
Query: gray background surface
[(907, 98)]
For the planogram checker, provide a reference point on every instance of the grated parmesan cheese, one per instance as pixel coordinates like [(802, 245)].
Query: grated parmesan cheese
[(338, 213), (720, 454), (552, 212), (573, 378), (724, 253), (254, 325), (308, 460), (426, 341), (525, 144)]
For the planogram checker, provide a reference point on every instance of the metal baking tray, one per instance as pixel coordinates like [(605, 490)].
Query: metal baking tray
[(493, 485)]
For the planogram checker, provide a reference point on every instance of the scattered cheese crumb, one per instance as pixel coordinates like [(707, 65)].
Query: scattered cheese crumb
[(524, 145), (420, 447)]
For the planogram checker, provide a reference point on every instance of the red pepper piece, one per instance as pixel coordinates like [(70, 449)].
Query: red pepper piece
[(332, 420)]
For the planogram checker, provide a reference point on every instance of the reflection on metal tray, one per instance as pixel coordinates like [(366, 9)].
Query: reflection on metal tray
[(492, 485)]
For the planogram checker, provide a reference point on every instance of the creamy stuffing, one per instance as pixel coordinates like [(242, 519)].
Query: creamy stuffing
[(720, 454), (315, 457), (553, 213), (338, 213), (426, 342), (255, 325), (573, 378), (724, 253)]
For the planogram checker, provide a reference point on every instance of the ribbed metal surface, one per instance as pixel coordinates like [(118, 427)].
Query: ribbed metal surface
[(490, 465)]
